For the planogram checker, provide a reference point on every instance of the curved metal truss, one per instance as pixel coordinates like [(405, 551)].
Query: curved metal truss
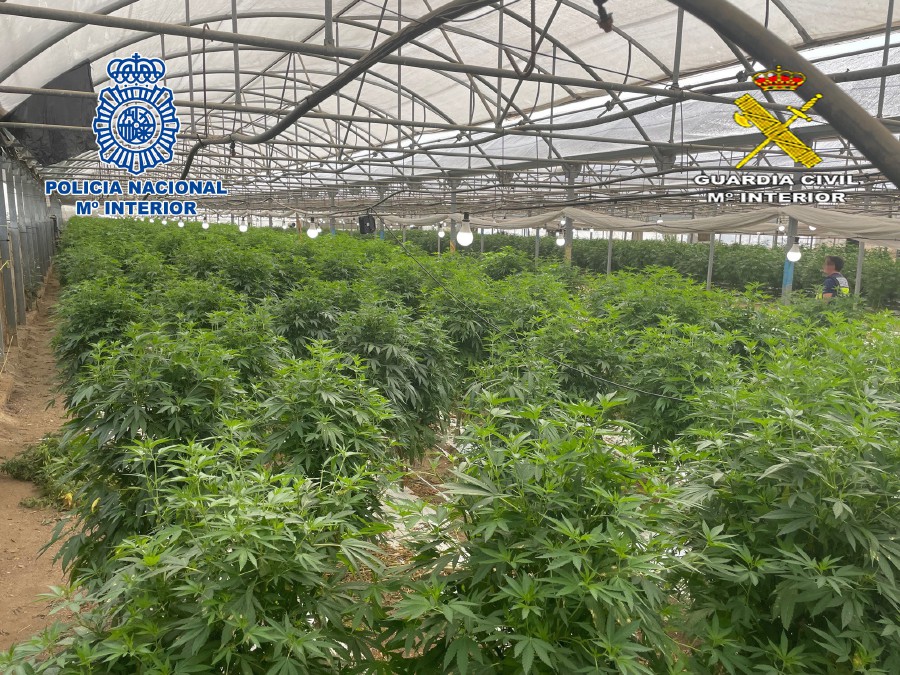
[(516, 106)]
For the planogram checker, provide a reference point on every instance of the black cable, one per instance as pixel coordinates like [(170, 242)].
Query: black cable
[(507, 334)]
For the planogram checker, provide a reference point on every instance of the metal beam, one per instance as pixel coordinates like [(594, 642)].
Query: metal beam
[(159, 28)]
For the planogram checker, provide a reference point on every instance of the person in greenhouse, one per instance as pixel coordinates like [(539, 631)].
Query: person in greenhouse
[(835, 282)]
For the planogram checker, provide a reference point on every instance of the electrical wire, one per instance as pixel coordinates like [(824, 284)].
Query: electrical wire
[(508, 334)]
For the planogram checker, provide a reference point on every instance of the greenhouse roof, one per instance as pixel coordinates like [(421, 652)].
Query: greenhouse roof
[(514, 106)]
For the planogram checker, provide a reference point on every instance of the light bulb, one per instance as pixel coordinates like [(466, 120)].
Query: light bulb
[(562, 221), (180, 223), (659, 221), (204, 225), (794, 254), (165, 221), (465, 237), (781, 228), (441, 233), (812, 228), (242, 227), (312, 232), (560, 239)]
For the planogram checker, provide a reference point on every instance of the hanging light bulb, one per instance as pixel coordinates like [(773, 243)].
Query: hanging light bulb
[(465, 237), (244, 226), (312, 231), (659, 221), (781, 228), (794, 254), (441, 232), (560, 238), (180, 223), (812, 228), (204, 224), (165, 221)]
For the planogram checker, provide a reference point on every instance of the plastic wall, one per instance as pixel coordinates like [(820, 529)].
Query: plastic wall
[(29, 229)]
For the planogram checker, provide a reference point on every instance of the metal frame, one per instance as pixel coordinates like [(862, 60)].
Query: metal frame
[(327, 150)]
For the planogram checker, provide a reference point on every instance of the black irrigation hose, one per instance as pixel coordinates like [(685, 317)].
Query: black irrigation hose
[(429, 22)]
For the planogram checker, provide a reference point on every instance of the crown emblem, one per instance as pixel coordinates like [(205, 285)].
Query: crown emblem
[(136, 70), (779, 80)]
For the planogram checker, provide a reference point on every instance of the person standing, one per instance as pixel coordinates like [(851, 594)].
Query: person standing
[(835, 283)]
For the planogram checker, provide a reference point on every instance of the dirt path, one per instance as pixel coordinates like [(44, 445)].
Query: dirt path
[(26, 386)]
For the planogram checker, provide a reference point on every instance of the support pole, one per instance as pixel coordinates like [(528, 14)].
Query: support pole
[(482, 239), (888, 25), (861, 255), (712, 255), (787, 282), (331, 219), (454, 185), (609, 252), (537, 245), (190, 64), (329, 23), (572, 172), (860, 259), (237, 54)]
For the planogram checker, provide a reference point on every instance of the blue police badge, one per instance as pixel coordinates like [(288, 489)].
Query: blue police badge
[(135, 124)]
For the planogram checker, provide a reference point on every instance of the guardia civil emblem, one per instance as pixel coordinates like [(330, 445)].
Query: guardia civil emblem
[(135, 124), (752, 114)]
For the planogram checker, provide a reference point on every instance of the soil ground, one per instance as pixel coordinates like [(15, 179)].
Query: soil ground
[(26, 387)]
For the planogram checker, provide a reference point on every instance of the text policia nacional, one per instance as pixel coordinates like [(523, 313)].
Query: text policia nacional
[(135, 188)]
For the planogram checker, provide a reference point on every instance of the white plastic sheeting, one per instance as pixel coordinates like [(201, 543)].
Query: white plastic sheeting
[(319, 153), (649, 23), (642, 51), (873, 230)]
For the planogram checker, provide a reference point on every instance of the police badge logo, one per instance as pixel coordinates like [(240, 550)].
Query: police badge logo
[(135, 124)]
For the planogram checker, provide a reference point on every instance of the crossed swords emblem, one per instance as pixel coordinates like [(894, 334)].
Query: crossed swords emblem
[(752, 114)]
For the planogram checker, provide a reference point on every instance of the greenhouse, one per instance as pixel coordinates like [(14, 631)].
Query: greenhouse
[(463, 337)]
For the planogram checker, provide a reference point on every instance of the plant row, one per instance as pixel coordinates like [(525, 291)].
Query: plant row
[(735, 265), (651, 478)]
